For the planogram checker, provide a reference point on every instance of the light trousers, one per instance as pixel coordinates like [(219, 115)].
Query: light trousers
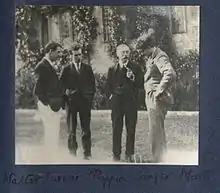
[(156, 116), (51, 123)]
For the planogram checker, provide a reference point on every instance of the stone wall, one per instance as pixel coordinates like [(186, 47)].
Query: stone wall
[(189, 35)]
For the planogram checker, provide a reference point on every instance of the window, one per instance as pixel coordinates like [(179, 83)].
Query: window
[(105, 16), (66, 33), (44, 31), (194, 11), (160, 10), (178, 16)]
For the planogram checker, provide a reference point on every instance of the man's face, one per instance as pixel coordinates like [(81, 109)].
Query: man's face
[(123, 52), (77, 56), (148, 52), (56, 54)]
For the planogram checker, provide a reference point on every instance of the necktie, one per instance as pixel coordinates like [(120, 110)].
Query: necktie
[(78, 67)]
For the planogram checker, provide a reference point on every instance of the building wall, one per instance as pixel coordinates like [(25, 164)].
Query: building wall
[(184, 25), (100, 60), (185, 31), (188, 36)]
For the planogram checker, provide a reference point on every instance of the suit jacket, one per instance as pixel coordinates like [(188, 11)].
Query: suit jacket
[(159, 75), (80, 84), (47, 87), (118, 84)]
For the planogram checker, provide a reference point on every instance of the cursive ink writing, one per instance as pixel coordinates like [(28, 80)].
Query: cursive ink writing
[(12, 178), (189, 175), (62, 178), (107, 180), (154, 178)]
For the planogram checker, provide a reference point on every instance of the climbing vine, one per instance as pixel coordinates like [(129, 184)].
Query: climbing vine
[(83, 21), (30, 50)]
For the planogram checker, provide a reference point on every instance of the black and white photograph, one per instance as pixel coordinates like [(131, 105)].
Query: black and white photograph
[(107, 84)]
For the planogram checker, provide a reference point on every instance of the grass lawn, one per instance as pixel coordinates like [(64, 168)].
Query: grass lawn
[(181, 131)]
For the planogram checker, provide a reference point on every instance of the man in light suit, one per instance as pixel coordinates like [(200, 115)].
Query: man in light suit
[(158, 80), (123, 83), (78, 81)]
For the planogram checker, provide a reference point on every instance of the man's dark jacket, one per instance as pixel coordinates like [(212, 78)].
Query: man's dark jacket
[(79, 84), (118, 84), (48, 88)]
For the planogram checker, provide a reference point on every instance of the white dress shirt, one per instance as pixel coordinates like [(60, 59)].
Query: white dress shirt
[(51, 62), (77, 68), (123, 64)]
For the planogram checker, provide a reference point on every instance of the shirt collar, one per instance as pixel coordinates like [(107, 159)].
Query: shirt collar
[(80, 63), (50, 62), (122, 65)]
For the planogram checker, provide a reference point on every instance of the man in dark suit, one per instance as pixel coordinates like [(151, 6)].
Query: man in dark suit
[(123, 83), (159, 78), (49, 93), (78, 81)]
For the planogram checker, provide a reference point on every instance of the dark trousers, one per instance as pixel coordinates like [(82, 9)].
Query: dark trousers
[(121, 108), (84, 109), (156, 116)]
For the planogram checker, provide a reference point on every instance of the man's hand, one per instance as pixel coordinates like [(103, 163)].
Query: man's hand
[(110, 97), (130, 75), (70, 92), (36, 76), (157, 96)]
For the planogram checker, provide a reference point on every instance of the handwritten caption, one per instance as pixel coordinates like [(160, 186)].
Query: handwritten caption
[(38, 178), (106, 180)]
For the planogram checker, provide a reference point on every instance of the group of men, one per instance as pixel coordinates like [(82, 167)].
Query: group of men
[(74, 91)]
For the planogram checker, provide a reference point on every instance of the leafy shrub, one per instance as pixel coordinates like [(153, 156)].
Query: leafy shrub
[(186, 87), (30, 50), (24, 84), (100, 100)]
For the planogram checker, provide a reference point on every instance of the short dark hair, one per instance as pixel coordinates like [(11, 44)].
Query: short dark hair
[(149, 40), (76, 47), (149, 43), (51, 46)]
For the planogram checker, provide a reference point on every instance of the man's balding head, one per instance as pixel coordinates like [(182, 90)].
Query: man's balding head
[(123, 52)]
